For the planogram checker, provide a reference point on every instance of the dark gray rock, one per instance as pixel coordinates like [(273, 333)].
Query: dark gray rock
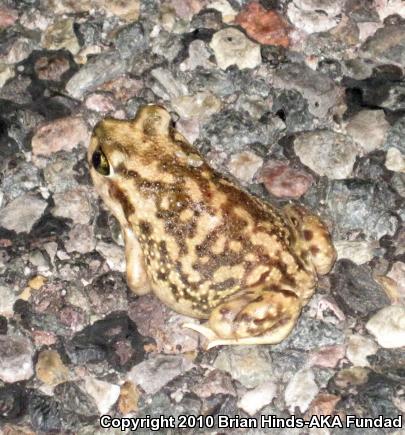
[(74, 401), (45, 413), (355, 291), (310, 334), (114, 338), (132, 40), (232, 131), (13, 402)]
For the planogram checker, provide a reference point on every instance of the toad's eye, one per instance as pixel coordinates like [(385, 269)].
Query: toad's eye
[(100, 162)]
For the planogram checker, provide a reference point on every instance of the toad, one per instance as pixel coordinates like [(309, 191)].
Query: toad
[(204, 246)]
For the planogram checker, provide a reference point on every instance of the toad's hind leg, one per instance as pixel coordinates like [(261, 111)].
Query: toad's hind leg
[(313, 238), (137, 278), (258, 316)]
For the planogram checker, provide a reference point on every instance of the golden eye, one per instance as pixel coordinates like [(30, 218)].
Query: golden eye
[(100, 162)]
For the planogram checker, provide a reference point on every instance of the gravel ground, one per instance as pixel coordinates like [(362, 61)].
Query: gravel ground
[(298, 100)]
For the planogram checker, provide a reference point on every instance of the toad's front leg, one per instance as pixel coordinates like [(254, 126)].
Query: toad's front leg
[(137, 277), (263, 315)]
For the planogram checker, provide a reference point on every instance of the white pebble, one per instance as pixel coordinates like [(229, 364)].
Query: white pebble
[(388, 326)]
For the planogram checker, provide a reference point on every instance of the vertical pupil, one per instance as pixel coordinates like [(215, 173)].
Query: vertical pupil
[(96, 159)]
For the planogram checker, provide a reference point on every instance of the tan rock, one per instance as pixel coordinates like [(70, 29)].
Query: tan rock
[(60, 35), (50, 368), (129, 398)]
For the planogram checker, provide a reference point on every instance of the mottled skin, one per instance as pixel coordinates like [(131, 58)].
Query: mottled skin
[(205, 247)]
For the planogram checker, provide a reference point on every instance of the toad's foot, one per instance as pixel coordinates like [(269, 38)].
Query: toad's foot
[(259, 316)]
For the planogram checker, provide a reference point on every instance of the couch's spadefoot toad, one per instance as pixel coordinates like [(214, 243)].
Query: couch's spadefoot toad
[(204, 246)]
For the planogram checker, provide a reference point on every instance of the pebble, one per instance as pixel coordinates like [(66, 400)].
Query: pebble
[(397, 273), (244, 166), (6, 72), (200, 105), (7, 17), (60, 36), (227, 11), (161, 323), (323, 404), (22, 213), (80, 239), (387, 45), (264, 26), (100, 103), (108, 293), (358, 348), (17, 50), (216, 382), (113, 254), (256, 399), (312, 334), (198, 55), (151, 375), (168, 85), (388, 326), (44, 413), (250, 365), (75, 400), (395, 135), (126, 10), (321, 93), (301, 390), (50, 368), (104, 393), (374, 123), (74, 204), (328, 356), (51, 67), (395, 160), (129, 398), (358, 251), (311, 19), (16, 355), (98, 70), (283, 181), (326, 153), (62, 134), (7, 299), (363, 208), (355, 290), (114, 339), (231, 47)]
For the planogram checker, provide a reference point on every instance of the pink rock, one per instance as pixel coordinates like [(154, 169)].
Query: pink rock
[(283, 181), (215, 382), (327, 356), (7, 17), (266, 27), (323, 404), (187, 8), (100, 103), (123, 88), (155, 320), (44, 338), (51, 68), (61, 134)]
